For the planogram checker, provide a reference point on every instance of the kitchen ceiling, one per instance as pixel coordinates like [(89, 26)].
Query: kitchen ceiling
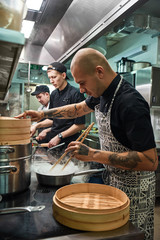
[(62, 27)]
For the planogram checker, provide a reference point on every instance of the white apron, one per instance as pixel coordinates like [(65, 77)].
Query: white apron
[(138, 185)]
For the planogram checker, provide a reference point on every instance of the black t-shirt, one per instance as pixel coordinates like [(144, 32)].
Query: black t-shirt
[(130, 115), (67, 96)]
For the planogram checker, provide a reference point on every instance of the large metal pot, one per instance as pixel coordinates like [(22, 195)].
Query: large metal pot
[(61, 180), (140, 65), (15, 168)]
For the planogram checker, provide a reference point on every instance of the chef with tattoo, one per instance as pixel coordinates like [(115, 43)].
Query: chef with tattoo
[(128, 149)]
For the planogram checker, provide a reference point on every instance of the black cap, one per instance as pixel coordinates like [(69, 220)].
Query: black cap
[(39, 89), (58, 67)]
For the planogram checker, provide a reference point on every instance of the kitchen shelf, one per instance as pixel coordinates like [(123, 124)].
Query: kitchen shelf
[(11, 44)]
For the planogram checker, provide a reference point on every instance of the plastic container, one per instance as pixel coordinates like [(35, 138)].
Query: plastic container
[(12, 13)]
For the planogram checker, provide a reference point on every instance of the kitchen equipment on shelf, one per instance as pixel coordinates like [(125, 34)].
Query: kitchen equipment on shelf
[(21, 209), (125, 65), (139, 65), (15, 168), (91, 207), (14, 131), (60, 179)]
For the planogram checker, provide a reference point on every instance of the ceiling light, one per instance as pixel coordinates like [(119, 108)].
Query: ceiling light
[(36, 5), (44, 68), (27, 27)]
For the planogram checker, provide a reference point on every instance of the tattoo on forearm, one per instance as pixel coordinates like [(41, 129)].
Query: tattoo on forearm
[(130, 161), (83, 150), (152, 160), (61, 113)]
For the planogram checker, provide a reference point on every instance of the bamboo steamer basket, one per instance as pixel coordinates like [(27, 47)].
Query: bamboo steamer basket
[(91, 207), (14, 131)]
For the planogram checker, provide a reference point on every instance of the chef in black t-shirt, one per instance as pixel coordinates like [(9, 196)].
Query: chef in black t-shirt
[(61, 130), (128, 150)]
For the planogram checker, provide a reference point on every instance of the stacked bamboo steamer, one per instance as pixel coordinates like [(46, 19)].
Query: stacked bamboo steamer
[(91, 207), (14, 131)]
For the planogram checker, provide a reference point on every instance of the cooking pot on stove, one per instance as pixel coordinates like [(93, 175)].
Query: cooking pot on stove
[(15, 168)]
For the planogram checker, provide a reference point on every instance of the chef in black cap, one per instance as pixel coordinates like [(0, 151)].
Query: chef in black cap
[(61, 130), (42, 94)]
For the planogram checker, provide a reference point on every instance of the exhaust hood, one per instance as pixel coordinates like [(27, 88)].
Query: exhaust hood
[(62, 27), (11, 44)]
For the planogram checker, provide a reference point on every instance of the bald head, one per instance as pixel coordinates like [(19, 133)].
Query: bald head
[(91, 71), (88, 58)]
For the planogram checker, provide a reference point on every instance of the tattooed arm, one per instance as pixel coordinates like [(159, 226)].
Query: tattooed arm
[(138, 161), (68, 111)]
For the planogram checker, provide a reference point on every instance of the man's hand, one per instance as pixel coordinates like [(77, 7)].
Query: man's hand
[(54, 141), (42, 135), (35, 115), (32, 130), (80, 151)]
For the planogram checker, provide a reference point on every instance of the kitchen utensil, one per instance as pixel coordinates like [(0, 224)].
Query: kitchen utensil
[(82, 140), (15, 168), (91, 207), (40, 144), (85, 133), (64, 179), (59, 145), (21, 209), (14, 131)]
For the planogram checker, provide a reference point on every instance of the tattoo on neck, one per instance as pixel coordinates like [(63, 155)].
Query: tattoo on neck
[(83, 150), (130, 161)]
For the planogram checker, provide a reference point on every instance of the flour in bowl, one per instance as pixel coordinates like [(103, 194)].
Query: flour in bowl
[(46, 169)]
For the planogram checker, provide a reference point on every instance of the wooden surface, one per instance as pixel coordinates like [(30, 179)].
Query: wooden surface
[(91, 196), (92, 201), (14, 137), (14, 131), (6, 122), (9, 142), (91, 207), (7, 131)]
